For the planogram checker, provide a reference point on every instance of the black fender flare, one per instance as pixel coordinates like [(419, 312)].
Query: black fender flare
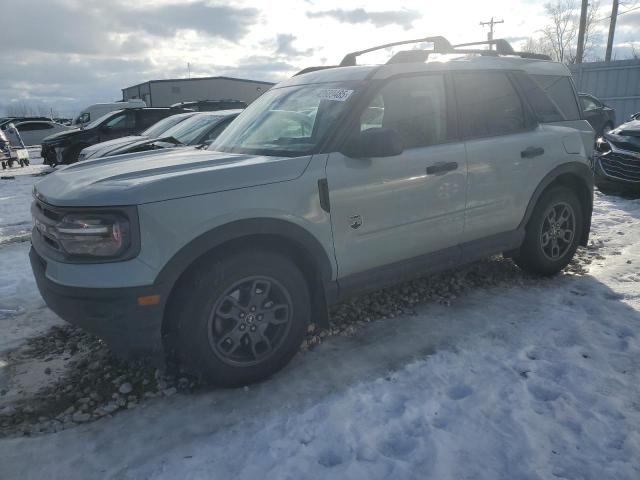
[(577, 169), (236, 230)]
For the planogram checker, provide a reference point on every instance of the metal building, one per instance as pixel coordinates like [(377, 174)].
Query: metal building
[(164, 93), (616, 83)]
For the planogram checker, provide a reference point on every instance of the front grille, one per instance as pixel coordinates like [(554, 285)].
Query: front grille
[(44, 218), (621, 166)]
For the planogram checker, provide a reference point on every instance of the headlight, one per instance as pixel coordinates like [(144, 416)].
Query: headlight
[(106, 235), (602, 146), (87, 235)]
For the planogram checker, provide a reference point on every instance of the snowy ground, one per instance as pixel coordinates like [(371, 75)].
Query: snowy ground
[(536, 379)]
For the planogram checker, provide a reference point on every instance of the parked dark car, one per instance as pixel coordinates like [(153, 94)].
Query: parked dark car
[(617, 158), (601, 117), (65, 147), (200, 129), (211, 105)]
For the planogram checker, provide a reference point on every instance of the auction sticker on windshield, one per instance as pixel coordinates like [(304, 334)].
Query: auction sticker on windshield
[(335, 94)]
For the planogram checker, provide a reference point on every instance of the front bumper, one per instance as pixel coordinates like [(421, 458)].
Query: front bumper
[(616, 170), (112, 314)]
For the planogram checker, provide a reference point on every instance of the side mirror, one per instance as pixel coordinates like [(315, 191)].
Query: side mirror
[(374, 142)]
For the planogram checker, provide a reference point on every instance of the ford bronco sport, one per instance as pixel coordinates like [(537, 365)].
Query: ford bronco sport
[(338, 180)]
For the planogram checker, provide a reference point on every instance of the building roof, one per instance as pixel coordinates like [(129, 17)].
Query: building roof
[(199, 78)]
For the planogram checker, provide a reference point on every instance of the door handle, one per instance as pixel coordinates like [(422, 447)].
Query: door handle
[(531, 152), (442, 168)]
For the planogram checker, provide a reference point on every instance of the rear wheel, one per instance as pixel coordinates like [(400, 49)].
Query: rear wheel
[(553, 233), (244, 317)]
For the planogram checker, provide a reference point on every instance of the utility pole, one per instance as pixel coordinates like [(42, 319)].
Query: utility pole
[(189, 69), (491, 23), (612, 31), (581, 29)]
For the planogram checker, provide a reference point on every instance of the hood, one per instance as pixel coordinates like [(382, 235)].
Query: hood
[(626, 136), (631, 128), (175, 173), (103, 149), (62, 135)]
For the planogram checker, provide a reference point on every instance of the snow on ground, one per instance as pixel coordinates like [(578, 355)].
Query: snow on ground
[(15, 198), (23, 313), (533, 381)]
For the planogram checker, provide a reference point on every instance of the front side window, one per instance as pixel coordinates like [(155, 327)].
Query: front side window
[(415, 107), (489, 104), (288, 121), (561, 91)]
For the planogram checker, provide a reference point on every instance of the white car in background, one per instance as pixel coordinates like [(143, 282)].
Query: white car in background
[(33, 131)]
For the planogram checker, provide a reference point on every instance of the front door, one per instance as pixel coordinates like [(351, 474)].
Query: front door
[(385, 210), (118, 126)]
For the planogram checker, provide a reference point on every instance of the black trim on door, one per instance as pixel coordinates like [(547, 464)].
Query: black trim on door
[(445, 259)]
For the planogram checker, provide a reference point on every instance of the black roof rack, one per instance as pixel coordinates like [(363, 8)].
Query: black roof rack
[(440, 45)]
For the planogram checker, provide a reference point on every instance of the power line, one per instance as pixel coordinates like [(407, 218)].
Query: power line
[(621, 13)]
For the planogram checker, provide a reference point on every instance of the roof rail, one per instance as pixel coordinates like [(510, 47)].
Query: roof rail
[(502, 46), (440, 45)]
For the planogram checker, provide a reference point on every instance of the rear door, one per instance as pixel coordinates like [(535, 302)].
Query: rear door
[(388, 209), (506, 152)]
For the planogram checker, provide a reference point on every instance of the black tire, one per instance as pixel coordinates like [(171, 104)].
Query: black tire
[(540, 257), (26, 162), (207, 335)]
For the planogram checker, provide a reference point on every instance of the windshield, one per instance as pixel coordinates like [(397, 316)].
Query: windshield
[(287, 121), (158, 128), (101, 119), (190, 130)]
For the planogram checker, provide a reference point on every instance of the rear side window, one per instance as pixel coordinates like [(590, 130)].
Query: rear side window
[(588, 103), (489, 104), (560, 90), (415, 107), (544, 108)]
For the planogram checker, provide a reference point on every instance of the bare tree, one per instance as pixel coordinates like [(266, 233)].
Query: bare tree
[(635, 51), (29, 109), (559, 37)]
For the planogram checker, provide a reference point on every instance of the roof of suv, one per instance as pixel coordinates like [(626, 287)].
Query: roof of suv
[(443, 63)]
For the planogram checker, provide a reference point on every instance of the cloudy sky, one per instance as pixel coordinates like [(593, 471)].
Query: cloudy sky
[(69, 53)]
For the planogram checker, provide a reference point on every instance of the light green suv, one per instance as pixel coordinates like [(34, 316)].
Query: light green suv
[(338, 180)]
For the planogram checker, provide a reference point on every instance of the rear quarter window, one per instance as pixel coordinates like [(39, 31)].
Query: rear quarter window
[(560, 90)]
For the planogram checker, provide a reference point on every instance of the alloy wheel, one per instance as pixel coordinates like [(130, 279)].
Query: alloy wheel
[(250, 321), (558, 231)]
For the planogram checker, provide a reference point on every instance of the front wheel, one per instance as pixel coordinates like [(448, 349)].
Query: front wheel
[(243, 318), (553, 233)]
